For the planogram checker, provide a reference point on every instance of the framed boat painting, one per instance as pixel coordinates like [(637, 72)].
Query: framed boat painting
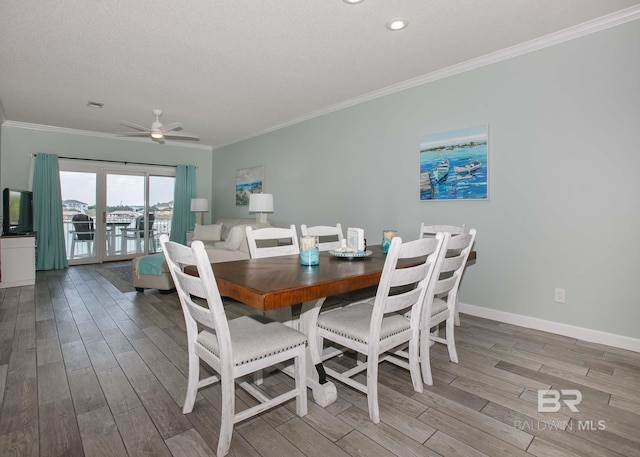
[(454, 165), (248, 181)]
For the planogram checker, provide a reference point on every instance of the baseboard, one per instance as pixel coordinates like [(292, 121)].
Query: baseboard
[(585, 334)]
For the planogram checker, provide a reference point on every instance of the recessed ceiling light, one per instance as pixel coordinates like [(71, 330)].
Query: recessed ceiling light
[(353, 2), (95, 104), (397, 23)]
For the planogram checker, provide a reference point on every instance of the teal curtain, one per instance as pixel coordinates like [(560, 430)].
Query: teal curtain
[(47, 214), (183, 219)]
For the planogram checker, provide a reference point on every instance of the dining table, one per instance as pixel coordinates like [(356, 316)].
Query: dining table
[(273, 283)]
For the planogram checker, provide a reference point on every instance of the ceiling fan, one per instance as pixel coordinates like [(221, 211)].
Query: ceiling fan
[(158, 131)]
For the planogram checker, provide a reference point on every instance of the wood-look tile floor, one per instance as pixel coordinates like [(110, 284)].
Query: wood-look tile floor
[(88, 370)]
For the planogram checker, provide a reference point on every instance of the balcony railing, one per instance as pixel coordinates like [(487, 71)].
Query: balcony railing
[(122, 238)]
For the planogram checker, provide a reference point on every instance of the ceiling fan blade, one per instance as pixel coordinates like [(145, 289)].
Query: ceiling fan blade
[(193, 136), (135, 126), (132, 133), (172, 126)]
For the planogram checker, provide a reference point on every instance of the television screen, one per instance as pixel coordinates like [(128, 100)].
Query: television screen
[(17, 212)]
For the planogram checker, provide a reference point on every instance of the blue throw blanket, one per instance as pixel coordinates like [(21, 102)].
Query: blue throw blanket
[(151, 264)]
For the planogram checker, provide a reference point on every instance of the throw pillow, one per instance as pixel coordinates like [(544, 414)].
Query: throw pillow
[(236, 236), (207, 232)]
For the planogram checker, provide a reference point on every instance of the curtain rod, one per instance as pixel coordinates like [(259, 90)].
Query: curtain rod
[(115, 161)]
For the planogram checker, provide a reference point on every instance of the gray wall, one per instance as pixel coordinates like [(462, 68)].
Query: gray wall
[(18, 142), (564, 157)]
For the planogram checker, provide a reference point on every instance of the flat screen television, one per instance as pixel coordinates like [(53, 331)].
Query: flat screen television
[(17, 212)]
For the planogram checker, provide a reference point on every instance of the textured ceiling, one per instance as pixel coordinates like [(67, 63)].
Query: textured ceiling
[(231, 69)]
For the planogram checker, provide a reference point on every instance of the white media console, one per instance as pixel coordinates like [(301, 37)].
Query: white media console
[(18, 261)]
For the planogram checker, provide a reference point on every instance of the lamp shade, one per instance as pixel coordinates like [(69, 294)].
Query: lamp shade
[(261, 203), (199, 205)]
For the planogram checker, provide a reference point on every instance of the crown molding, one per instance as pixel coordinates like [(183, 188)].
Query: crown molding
[(568, 34), (89, 133)]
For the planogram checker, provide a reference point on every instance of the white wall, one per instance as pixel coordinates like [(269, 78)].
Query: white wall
[(19, 141), (564, 159)]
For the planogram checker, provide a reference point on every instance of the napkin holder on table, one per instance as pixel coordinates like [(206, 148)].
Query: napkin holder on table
[(355, 239)]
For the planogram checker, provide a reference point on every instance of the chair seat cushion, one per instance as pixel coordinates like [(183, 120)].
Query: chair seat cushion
[(253, 338), (439, 305), (353, 322)]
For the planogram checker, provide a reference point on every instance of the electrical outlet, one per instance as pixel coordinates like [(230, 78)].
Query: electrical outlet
[(561, 295)]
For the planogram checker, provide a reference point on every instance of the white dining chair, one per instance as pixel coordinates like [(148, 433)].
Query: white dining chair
[(233, 348), (377, 331), (454, 230), (442, 300), (272, 241), (330, 236)]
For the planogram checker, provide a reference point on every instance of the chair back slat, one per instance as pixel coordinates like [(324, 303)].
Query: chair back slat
[(274, 234), (450, 264), (400, 302), (444, 285)]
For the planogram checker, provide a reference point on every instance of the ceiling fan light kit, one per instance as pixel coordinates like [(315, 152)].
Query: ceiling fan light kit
[(158, 131)]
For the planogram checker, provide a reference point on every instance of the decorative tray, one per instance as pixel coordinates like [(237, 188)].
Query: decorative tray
[(350, 254)]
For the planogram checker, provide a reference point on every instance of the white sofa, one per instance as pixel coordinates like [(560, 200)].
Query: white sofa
[(226, 240)]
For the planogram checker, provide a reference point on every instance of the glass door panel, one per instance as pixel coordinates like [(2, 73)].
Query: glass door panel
[(81, 236), (161, 205), (125, 215)]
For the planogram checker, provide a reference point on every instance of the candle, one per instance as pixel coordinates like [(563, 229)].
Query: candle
[(309, 251), (387, 236)]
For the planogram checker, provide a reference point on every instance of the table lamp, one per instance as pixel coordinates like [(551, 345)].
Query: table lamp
[(199, 206), (261, 204)]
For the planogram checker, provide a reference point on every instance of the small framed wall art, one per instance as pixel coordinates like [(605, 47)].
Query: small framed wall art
[(248, 181)]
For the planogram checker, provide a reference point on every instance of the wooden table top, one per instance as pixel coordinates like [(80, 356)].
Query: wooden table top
[(275, 282)]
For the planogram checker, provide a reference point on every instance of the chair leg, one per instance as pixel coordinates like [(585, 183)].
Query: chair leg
[(227, 414), (300, 369), (192, 383), (414, 365), (372, 388), (425, 357), (451, 342)]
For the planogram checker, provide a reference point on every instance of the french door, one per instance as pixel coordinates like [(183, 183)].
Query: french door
[(114, 212)]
